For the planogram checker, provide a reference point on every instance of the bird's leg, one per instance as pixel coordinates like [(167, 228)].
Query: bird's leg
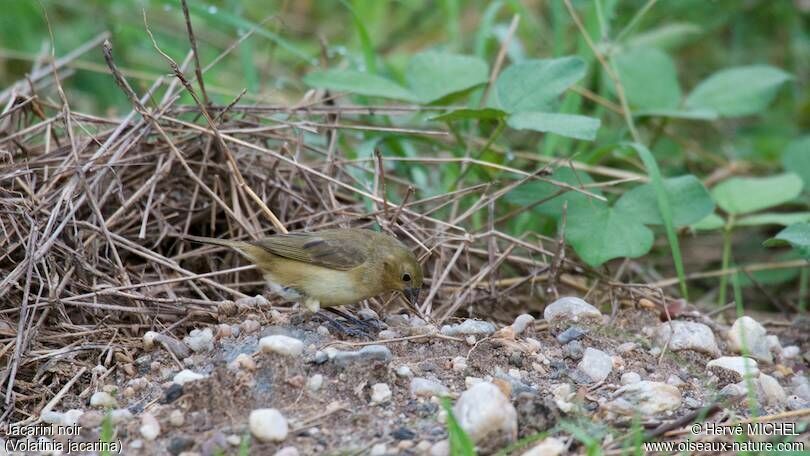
[(353, 320), (350, 329)]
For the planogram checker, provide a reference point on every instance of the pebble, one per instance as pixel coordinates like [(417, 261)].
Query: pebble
[(243, 361), (469, 327), (686, 335), (404, 371), (483, 411), (573, 350), (645, 397), (423, 387), (674, 380), (200, 340), (91, 419), (628, 378), (570, 308), (315, 382), (367, 354), (103, 399), (732, 369), (800, 386), (224, 330), (596, 364), (322, 331), (748, 330), (626, 347), (178, 444), (572, 333), (440, 448), (233, 440), (790, 352), (268, 425), (186, 376), (403, 433), (563, 395), (119, 416), (772, 390), (521, 323), (388, 334), (459, 364), (549, 446), (283, 345), (176, 418), (287, 451), (380, 393), (150, 428), (378, 450), (250, 326)]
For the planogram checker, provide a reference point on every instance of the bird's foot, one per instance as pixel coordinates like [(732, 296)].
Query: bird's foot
[(351, 328)]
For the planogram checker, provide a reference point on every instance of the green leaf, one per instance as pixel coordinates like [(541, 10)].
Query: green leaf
[(460, 443), (535, 191), (689, 114), (649, 78), (667, 36), (533, 84), (773, 218), (603, 233), (570, 125), (738, 91), (797, 236), (688, 198), (796, 159), (434, 75), (358, 82), (468, 114), (743, 195), (709, 223)]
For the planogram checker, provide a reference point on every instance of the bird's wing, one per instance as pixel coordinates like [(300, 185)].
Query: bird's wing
[(315, 249)]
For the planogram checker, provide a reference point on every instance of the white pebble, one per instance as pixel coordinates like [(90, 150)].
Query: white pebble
[(686, 335), (150, 428), (283, 345), (469, 327), (570, 308), (119, 416), (149, 339), (459, 364), (549, 446), (738, 364), (71, 417), (425, 388), (243, 361), (186, 376), (773, 391), (176, 418), (596, 364), (790, 352), (521, 323), (102, 399), (380, 393), (200, 340), (646, 398), (378, 450), (250, 326), (629, 378), (315, 382), (750, 333), (404, 371), (268, 425), (287, 451), (484, 412)]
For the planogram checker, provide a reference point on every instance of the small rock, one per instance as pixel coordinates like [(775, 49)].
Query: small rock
[(186, 376), (521, 323), (440, 448), (103, 399), (404, 371), (380, 393), (249, 326), (628, 378), (322, 331), (790, 352), (403, 433), (287, 451), (233, 440), (469, 327), (732, 369), (686, 335), (367, 354), (423, 387), (91, 419), (573, 350), (596, 364), (72, 417), (173, 392), (645, 397), (572, 333), (224, 330), (315, 382), (200, 340), (483, 411), (626, 347), (378, 450), (268, 425), (320, 357), (547, 447), (674, 380), (773, 344), (388, 334), (772, 390), (397, 320), (176, 418), (243, 361), (283, 345), (563, 397), (120, 416), (51, 417), (754, 336), (150, 428), (214, 445), (179, 444), (459, 364), (149, 339), (570, 308)]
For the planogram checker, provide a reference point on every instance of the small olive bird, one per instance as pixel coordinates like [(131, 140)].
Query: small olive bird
[(331, 267)]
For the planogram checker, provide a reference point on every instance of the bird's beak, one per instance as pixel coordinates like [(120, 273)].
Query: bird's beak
[(412, 294)]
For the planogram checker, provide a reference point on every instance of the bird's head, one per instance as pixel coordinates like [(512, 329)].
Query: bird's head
[(402, 272)]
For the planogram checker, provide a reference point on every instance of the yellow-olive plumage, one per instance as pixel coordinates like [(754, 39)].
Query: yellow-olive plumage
[(331, 267)]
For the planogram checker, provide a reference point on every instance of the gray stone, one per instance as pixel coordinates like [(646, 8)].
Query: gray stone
[(596, 364), (469, 327), (747, 332), (486, 414), (687, 335), (572, 333), (367, 354), (570, 308)]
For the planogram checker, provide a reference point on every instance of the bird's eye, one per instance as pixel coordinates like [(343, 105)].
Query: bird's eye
[(406, 277)]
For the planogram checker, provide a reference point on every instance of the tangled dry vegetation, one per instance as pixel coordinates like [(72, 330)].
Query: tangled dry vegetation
[(93, 211)]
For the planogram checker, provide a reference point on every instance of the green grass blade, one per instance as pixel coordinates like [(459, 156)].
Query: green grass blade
[(369, 55), (460, 443)]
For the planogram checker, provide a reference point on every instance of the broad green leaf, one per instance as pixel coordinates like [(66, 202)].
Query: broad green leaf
[(570, 125), (649, 78), (434, 75), (709, 223), (743, 195), (797, 236), (796, 159), (603, 233), (666, 36), (533, 84), (358, 82), (535, 191), (773, 218), (467, 114), (691, 114), (738, 91), (688, 198)]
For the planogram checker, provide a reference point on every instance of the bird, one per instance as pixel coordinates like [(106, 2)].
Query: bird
[(331, 267)]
